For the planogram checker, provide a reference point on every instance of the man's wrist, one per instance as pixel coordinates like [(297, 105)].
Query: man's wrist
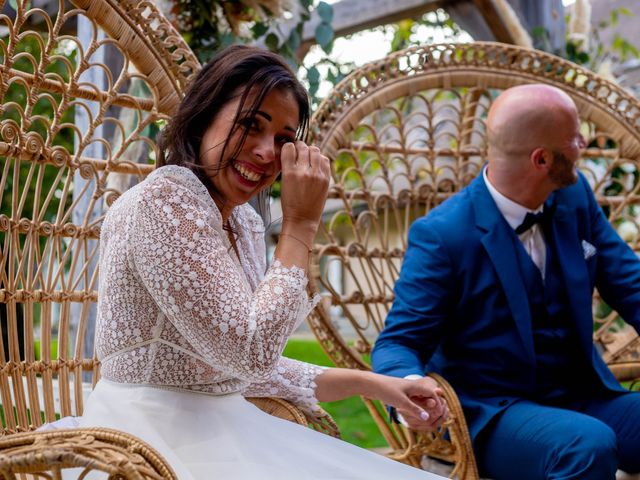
[(394, 416)]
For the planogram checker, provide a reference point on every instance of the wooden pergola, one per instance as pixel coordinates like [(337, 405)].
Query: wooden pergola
[(488, 20)]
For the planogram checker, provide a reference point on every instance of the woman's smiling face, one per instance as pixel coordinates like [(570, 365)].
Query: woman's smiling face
[(257, 163)]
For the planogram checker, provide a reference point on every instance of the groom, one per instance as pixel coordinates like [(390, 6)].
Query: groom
[(495, 295)]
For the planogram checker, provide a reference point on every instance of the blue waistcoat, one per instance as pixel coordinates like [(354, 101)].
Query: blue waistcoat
[(559, 367)]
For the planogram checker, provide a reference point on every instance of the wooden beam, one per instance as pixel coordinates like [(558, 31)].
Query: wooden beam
[(351, 16), (487, 9)]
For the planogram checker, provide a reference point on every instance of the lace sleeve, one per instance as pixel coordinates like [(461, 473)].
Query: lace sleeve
[(178, 248), (292, 380)]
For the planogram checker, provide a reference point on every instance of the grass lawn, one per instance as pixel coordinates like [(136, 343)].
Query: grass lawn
[(351, 415)]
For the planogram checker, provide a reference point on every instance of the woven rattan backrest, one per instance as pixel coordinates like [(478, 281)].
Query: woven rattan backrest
[(408, 132), (79, 118)]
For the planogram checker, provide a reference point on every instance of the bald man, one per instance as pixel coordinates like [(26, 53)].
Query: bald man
[(495, 295)]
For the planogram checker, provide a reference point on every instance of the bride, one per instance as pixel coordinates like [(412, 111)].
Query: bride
[(189, 322)]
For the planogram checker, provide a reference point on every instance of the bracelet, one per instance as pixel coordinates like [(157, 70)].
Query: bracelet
[(296, 238)]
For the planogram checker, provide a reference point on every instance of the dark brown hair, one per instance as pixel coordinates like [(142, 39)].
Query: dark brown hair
[(237, 69)]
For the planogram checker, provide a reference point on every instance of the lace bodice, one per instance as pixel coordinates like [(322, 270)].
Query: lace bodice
[(177, 308)]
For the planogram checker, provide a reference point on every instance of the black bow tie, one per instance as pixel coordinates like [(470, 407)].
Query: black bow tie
[(531, 219)]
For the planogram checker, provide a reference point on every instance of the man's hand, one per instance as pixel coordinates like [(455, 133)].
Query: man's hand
[(434, 405)]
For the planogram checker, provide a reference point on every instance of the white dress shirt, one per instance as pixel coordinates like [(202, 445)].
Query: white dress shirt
[(514, 213)]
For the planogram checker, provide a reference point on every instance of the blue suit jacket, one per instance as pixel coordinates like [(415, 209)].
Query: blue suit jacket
[(461, 307)]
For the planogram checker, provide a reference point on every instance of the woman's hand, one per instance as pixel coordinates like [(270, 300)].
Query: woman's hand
[(305, 182)]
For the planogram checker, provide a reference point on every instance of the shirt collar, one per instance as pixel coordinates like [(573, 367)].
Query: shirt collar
[(512, 212)]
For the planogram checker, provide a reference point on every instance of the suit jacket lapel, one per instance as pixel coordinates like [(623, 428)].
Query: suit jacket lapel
[(498, 242), (574, 270)]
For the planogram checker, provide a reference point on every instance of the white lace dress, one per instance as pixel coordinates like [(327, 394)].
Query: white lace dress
[(186, 329)]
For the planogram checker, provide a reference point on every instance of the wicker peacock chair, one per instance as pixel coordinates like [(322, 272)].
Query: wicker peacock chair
[(78, 122), (404, 134)]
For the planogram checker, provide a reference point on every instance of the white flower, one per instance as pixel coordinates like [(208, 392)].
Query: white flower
[(628, 231)]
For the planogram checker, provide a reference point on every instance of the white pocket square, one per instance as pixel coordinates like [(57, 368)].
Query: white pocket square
[(588, 250)]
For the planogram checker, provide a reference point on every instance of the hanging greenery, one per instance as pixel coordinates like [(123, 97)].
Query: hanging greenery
[(211, 25), (208, 26)]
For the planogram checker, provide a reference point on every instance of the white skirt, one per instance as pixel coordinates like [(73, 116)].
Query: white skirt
[(207, 437)]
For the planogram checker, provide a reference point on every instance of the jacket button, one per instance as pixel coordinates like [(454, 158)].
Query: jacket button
[(502, 403)]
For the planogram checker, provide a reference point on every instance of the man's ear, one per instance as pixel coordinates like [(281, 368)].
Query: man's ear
[(541, 159)]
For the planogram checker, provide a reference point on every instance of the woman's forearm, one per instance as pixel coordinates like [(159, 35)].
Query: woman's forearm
[(419, 401), (338, 383)]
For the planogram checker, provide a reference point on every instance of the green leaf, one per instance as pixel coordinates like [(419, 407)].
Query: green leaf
[(618, 43), (625, 11), (313, 75), (313, 88), (328, 48), (325, 11), (539, 32), (286, 51), (227, 39), (271, 42), (259, 29), (291, 60), (331, 76), (294, 40), (614, 17), (582, 57), (324, 34)]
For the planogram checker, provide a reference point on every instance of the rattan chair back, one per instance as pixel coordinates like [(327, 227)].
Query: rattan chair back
[(406, 133), (84, 93), (78, 125), (77, 129)]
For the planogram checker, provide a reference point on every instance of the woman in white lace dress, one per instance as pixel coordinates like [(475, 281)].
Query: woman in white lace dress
[(189, 322)]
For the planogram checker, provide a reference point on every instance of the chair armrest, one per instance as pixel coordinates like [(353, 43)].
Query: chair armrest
[(457, 448), (627, 372), (280, 408), (117, 453)]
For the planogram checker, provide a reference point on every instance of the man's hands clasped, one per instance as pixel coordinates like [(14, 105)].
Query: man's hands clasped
[(413, 399), (429, 396)]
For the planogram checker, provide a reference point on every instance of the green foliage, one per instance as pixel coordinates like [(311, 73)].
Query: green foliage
[(16, 100), (324, 30), (37, 352), (423, 29), (620, 49), (209, 26), (575, 55)]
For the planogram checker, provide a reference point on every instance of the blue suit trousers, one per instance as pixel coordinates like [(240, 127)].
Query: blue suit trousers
[(582, 440)]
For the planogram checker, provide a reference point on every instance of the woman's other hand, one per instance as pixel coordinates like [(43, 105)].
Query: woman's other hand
[(305, 182)]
